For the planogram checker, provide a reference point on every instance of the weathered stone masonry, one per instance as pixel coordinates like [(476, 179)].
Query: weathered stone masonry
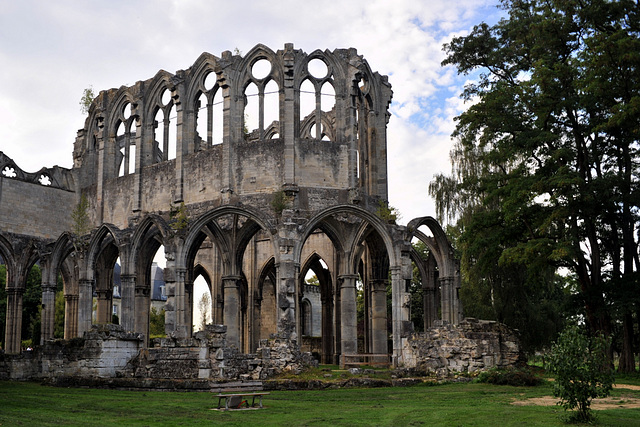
[(171, 161)]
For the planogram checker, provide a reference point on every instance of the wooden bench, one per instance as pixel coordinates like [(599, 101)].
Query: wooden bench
[(359, 359), (235, 394)]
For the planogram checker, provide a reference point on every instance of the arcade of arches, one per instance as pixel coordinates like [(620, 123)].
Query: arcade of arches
[(253, 172)]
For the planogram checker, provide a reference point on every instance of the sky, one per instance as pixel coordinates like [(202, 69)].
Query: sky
[(50, 51)]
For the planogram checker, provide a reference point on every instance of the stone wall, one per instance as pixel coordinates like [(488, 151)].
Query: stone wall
[(33, 209), (108, 352), (206, 356), (472, 345), (102, 352)]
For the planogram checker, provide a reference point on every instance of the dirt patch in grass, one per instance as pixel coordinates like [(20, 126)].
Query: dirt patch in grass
[(620, 402)]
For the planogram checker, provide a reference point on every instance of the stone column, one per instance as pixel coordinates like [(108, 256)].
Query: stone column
[(128, 302), (170, 321), (103, 307), (13, 331), (400, 311), (181, 148), (291, 102), (85, 306), (232, 309), (47, 315), (141, 316), (446, 292), (188, 303), (379, 316), (70, 316), (181, 303), (288, 321), (327, 329), (348, 314)]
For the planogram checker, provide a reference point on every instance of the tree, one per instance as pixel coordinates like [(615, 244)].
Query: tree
[(87, 98), (204, 307), (582, 371), (31, 304), (156, 323), (548, 153)]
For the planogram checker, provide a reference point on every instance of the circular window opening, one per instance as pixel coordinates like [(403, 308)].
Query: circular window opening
[(166, 97), (317, 68), (210, 81), (261, 69)]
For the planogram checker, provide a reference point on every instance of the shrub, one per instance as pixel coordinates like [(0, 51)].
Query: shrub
[(517, 377), (582, 369)]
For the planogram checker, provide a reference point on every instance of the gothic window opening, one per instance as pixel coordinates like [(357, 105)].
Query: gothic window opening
[(209, 113)]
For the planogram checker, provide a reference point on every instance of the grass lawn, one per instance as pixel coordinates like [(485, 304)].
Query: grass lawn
[(463, 404)]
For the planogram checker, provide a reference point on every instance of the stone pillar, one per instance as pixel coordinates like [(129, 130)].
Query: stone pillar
[(291, 115), (170, 321), (232, 309), (459, 316), (13, 330), (327, 329), (70, 316), (47, 315), (379, 316), (400, 311), (288, 322), (446, 292), (103, 307), (85, 306), (142, 303), (348, 314), (181, 303), (128, 310), (188, 305), (180, 147)]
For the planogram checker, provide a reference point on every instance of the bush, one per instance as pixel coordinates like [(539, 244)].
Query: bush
[(518, 377), (582, 369)]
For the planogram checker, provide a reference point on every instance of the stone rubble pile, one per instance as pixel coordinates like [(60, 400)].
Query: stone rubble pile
[(472, 345)]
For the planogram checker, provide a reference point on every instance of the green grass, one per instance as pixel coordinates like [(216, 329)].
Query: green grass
[(464, 404)]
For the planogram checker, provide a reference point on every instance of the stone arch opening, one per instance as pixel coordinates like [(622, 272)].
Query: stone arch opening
[(202, 300), (143, 287), (441, 276), (367, 255), (265, 313), (62, 267), (239, 242), (316, 288)]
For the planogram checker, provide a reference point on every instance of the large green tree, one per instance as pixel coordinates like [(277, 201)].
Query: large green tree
[(547, 155)]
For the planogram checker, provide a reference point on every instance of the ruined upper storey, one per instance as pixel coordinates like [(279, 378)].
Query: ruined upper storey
[(238, 126)]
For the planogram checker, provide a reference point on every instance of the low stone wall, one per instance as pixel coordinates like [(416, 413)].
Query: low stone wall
[(101, 352), (206, 356), (472, 345), (108, 355)]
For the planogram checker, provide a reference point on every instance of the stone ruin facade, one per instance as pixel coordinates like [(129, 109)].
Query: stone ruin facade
[(249, 171)]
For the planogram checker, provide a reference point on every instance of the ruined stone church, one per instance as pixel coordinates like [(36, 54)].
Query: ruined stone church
[(250, 171)]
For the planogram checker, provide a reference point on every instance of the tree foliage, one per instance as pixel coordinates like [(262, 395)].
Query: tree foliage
[(204, 308), (580, 364), (156, 323), (545, 163), (87, 98)]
